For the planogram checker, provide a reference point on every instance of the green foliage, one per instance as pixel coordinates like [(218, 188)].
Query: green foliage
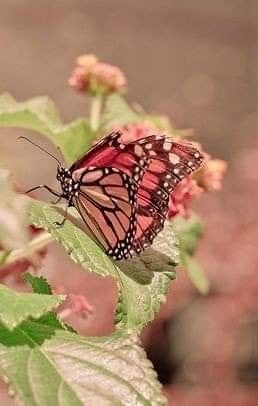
[(80, 247), (117, 112), (41, 357), (13, 232), (39, 114), (196, 274), (38, 284), (47, 366), (189, 231), (17, 307), (160, 122), (141, 288)]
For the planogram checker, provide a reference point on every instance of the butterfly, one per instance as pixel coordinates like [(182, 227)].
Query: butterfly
[(121, 189)]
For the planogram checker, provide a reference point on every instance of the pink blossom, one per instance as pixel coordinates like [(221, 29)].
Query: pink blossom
[(76, 303), (80, 305), (93, 76), (87, 61), (180, 198), (108, 77), (78, 80), (210, 176), (133, 132)]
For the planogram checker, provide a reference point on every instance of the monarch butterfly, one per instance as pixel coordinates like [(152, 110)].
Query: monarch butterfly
[(121, 190)]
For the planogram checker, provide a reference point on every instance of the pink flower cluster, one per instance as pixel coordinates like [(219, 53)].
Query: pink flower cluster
[(180, 199), (208, 178), (76, 303), (96, 77)]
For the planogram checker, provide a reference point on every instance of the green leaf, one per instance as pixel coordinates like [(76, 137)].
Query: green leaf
[(17, 307), (137, 303), (4, 256), (13, 220), (167, 243), (45, 366), (196, 274), (142, 282), (189, 231), (38, 284), (160, 122), (39, 114), (74, 139), (81, 248), (41, 285), (118, 112), (163, 123)]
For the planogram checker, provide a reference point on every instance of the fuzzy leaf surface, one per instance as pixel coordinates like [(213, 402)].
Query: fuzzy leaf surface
[(40, 115), (47, 366), (189, 232), (142, 282), (17, 307), (118, 112)]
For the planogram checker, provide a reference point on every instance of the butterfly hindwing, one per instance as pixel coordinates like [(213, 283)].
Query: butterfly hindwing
[(107, 204), (169, 163)]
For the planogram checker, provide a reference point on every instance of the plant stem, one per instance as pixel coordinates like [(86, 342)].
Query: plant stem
[(34, 245), (95, 111)]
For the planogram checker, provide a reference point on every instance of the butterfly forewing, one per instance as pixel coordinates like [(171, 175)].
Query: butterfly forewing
[(112, 152), (107, 203)]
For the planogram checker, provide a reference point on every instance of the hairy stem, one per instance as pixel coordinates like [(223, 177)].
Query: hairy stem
[(95, 111), (34, 245)]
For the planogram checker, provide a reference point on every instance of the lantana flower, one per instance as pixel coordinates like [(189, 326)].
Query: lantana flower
[(181, 197), (96, 77), (133, 132), (211, 174)]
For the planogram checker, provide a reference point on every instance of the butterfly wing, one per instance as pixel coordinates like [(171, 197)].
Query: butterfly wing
[(152, 167), (112, 152), (100, 154), (106, 202), (169, 163)]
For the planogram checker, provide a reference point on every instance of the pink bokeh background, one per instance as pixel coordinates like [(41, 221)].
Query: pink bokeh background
[(196, 62)]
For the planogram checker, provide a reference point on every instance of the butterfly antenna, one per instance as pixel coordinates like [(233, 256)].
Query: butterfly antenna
[(41, 148)]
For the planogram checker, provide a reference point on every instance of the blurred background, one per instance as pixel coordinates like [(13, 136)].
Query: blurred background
[(197, 62)]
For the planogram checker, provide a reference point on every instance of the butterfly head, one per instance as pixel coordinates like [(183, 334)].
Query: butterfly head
[(62, 174), (68, 185)]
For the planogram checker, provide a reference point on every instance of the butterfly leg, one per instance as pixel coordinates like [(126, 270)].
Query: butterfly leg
[(57, 200), (44, 187), (61, 223)]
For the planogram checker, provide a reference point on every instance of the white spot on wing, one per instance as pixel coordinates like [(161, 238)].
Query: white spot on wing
[(167, 146), (174, 159), (138, 150)]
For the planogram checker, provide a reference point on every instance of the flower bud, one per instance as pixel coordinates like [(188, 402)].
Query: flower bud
[(210, 176), (91, 75)]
